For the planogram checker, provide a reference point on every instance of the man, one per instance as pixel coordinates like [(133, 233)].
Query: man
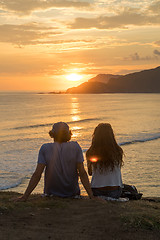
[(63, 163)]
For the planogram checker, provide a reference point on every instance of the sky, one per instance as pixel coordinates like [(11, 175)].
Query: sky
[(42, 42)]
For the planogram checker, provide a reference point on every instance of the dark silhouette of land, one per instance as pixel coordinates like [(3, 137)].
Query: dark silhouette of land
[(104, 78), (146, 81)]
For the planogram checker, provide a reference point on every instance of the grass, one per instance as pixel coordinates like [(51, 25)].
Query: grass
[(143, 214), (58, 218)]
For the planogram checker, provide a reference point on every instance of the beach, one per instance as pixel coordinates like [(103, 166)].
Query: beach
[(68, 219)]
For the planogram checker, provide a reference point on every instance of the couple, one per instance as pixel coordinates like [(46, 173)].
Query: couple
[(63, 164)]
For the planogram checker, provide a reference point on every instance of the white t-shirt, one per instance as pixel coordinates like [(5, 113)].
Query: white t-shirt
[(106, 177)]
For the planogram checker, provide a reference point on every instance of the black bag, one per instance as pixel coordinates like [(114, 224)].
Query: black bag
[(130, 192)]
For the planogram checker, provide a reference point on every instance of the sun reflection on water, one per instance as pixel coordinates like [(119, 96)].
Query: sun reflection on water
[(75, 117), (76, 128), (75, 109)]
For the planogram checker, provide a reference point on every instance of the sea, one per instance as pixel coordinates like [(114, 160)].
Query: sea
[(27, 117)]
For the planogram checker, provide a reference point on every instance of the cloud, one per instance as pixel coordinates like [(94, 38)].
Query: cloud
[(156, 52), (26, 34), (35, 34), (137, 57), (157, 43), (155, 7), (22, 7), (121, 20)]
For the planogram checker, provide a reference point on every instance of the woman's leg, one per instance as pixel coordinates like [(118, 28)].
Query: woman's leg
[(116, 193), (113, 194)]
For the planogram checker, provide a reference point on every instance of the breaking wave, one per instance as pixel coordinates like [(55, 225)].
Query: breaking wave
[(141, 140), (50, 124)]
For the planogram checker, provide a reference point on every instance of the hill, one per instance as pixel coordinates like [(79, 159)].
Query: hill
[(88, 87), (104, 78), (146, 81)]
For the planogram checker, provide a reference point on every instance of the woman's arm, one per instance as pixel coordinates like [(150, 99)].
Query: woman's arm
[(33, 182), (89, 166)]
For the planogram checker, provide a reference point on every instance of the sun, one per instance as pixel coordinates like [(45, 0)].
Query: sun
[(73, 77)]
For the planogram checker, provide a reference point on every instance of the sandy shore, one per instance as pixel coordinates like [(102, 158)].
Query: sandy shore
[(56, 218)]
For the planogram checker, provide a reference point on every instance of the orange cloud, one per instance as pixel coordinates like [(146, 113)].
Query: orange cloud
[(21, 7), (155, 7), (157, 43), (26, 34), (121, 20)]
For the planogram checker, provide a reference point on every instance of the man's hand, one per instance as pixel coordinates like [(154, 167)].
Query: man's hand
[(19, 199)]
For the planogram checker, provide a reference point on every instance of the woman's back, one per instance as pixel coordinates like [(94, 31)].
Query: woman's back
[(104, 161), (108, 177)]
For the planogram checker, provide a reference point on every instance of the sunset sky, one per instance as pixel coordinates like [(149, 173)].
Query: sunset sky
[(44, 41)]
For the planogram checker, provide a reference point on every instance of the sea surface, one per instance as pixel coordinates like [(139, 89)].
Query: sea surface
[(26, 118)]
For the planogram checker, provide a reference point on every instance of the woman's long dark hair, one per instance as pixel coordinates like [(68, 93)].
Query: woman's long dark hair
[(104, 151)]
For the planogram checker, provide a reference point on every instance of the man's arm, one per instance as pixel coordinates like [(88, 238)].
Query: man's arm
[(84, 179), (33, 181)]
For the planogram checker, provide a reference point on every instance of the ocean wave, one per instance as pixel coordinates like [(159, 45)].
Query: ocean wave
[(152, 137), (50, 124), (33, 126), (147, 139), (84, 150), (12, 185)]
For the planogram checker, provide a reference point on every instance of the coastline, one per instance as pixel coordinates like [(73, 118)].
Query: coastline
[(58, 218)]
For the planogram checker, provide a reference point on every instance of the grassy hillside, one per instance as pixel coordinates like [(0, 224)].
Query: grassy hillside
[(70, 219)]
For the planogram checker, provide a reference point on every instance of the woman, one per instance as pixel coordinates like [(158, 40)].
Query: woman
[(104, 161)]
